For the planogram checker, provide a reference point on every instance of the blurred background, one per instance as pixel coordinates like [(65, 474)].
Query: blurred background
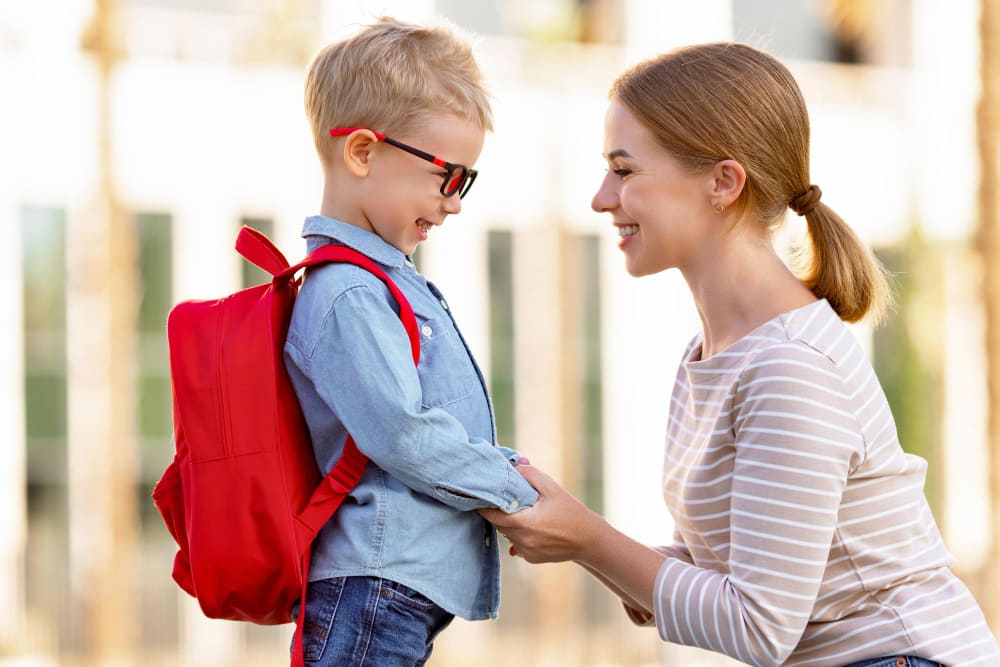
[(136, 136)]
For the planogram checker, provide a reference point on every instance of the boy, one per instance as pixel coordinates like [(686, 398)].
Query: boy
[(405, 552)]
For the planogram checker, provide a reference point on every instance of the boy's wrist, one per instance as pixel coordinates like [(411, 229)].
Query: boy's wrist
[(513, 456)]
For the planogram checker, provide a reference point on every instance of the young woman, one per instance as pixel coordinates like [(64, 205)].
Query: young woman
[(803, 536)]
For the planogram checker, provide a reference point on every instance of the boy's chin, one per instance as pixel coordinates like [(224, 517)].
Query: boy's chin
[(410, 249), (407, 248)]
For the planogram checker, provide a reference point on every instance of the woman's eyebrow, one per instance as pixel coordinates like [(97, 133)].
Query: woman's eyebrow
[(618, 152)]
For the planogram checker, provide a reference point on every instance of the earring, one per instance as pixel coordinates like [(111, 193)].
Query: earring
[(719, 208)]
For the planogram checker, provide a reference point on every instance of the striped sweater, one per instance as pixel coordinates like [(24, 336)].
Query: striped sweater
[(803, 536)]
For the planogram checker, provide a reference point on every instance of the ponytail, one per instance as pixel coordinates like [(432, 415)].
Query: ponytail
[(840, 268)]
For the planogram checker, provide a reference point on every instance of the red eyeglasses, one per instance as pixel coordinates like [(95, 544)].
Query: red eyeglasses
[(457, 177)]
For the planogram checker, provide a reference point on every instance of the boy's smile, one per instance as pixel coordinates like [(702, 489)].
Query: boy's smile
[(425, 228)]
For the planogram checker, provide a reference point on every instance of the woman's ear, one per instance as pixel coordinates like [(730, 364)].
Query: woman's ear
[(358, 152), (728, 178)]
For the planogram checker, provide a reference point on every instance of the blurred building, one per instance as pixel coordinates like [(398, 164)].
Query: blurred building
[(136, 136)]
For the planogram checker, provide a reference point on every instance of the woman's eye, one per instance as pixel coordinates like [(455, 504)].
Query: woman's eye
[(622, 173)]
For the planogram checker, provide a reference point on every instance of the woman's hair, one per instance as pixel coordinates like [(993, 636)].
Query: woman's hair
[(721, 101), (389, 77)]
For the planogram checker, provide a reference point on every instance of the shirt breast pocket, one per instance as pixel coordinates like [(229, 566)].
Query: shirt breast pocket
[(445, 370)]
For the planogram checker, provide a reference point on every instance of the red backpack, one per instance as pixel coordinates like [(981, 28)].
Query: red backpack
[(243, 496)]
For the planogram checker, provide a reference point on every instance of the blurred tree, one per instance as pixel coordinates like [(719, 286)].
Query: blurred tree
[(101, 463), (988, 134), (601, 21), (908, 353), (285, 32), (849, 20)]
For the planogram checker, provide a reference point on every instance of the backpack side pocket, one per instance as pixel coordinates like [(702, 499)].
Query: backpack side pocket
[(168, 496)]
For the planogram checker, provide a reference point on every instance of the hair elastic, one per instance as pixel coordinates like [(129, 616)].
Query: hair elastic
[(804, 203)]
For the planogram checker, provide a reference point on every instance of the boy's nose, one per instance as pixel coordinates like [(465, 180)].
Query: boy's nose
[(452, 205)]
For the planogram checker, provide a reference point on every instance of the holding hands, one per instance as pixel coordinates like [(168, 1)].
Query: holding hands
[(559, 527)]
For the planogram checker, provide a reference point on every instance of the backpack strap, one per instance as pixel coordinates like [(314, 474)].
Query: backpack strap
[(347, 472), (339, 253)]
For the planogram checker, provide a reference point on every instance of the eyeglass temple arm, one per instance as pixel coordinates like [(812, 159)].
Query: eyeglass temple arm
[(342, 131)]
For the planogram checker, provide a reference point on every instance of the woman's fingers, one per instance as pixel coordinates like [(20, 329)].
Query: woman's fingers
[(538, 479), (493, 515), (551, 530)]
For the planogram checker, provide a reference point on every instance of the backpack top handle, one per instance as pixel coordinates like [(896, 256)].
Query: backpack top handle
[(259, 250)]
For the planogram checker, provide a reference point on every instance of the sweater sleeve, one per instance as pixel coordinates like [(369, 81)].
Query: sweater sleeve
[(677, 550), (795, 439)]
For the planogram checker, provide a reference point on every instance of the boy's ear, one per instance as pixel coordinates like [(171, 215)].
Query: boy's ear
[(728, 178), (358, 151)]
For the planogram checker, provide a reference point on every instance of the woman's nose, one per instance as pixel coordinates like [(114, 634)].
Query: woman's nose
[(606, 197)]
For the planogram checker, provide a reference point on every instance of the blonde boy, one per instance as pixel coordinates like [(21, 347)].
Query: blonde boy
[(398, 114)]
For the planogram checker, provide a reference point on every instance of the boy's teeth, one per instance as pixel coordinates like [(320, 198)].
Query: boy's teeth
[(627, 230)]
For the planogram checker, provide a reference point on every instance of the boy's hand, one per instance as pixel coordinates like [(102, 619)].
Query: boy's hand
[(557, 528)]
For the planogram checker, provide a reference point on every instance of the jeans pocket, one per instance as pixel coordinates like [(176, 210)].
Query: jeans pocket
[(895, 661), (407, 596), (322, 600)]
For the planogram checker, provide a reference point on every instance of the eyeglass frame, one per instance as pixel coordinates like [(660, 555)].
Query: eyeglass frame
[(462, 187)]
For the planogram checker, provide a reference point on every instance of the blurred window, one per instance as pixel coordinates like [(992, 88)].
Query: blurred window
[(43, 262), (310, 7), (250, 274), (154, 237), (501, 314), (154, 232), (43, 234), (585, 372), (842, 31), (600, 21), (254, 32), (587, 367)]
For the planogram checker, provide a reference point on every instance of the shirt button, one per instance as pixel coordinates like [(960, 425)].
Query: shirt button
[(513, 505), (410, 264), (444, 304), (488, 540), (426, 330)]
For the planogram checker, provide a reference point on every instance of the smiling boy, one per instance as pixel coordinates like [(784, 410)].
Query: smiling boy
[(405, 551)]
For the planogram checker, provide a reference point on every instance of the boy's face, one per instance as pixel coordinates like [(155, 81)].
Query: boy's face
[(402, 200)]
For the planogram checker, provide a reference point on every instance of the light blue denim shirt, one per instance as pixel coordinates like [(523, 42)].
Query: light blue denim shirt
[(428, 430)]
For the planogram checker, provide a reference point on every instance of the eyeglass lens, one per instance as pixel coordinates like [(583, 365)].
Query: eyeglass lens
[(459, 180), (455, 180)]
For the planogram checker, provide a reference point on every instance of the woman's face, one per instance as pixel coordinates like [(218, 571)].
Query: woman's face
[(662, 211)]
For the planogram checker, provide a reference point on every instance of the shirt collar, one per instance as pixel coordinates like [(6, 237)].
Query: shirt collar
[(367, 243)]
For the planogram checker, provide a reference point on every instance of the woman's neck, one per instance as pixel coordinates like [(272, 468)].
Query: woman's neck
[(739, 289)]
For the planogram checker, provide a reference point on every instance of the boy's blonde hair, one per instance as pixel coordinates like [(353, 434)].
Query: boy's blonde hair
[(388, 77)]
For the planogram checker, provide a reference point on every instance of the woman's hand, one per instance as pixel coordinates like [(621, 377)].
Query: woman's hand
[(557, 528), (561, 528)]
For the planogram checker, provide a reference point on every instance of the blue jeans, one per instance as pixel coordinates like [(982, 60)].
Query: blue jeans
[(368, 622), (895, 661)]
